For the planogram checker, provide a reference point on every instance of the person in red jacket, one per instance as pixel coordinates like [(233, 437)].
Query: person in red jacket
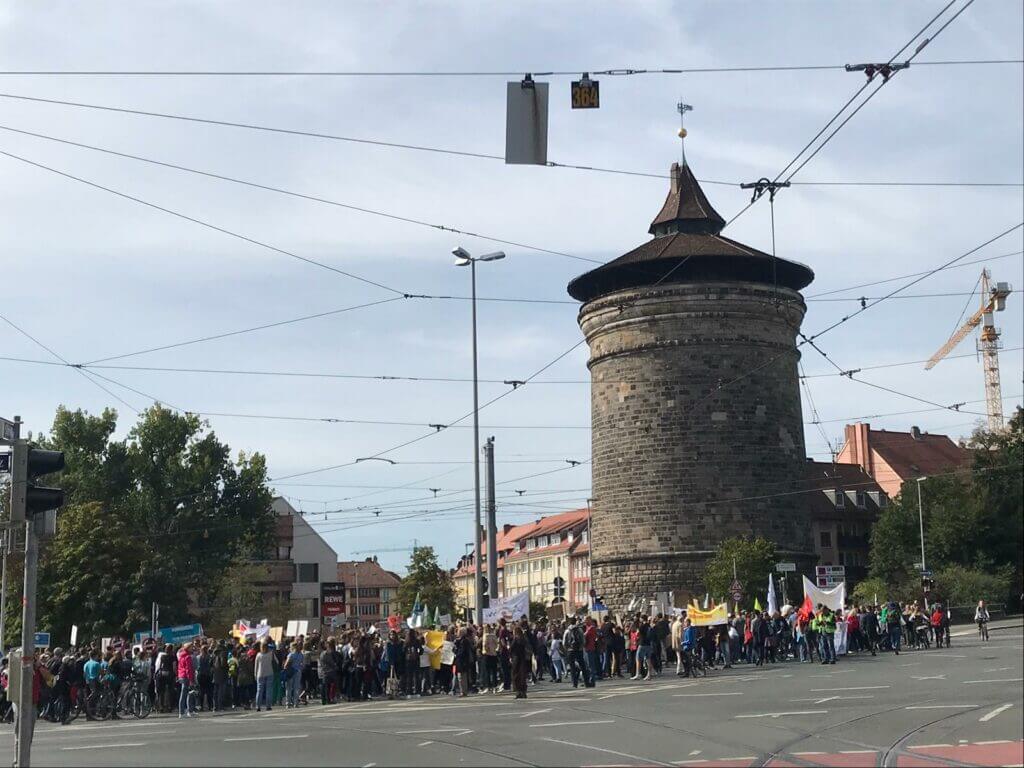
[(186, 678)]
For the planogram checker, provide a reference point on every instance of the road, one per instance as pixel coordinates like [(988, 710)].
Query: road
[(961, 706)]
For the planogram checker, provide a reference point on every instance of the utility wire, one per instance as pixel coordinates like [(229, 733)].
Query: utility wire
[(202, 223), (611, 72), (412, 147), (313, 198)]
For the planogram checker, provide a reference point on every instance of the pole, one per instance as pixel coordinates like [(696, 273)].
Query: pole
[(7, 543), (478, 577), (355, 569), (26, 708), (920, 520), (492, 523), (590, 554)]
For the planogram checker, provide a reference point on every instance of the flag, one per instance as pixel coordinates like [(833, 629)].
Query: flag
[(707, 599), (806, 609), (437, 615), (757, 605), (773, 603)]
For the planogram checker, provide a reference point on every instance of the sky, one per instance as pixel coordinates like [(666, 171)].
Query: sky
[(94, 275)]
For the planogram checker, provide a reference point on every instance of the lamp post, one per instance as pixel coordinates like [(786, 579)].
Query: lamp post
[(920, 522), (464, 259)]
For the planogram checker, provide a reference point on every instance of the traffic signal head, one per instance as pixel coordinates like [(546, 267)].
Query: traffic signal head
[(38, 498)]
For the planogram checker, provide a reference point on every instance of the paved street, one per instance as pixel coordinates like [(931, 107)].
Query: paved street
[(955, 707)]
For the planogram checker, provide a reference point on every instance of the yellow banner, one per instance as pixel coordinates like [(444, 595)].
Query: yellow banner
[(434, 641), (717, 615)]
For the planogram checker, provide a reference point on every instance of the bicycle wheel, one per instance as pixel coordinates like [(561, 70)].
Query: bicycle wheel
[(101, 705), (141, 704)]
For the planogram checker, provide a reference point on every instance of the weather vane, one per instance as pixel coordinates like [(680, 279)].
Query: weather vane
[(682, 109)]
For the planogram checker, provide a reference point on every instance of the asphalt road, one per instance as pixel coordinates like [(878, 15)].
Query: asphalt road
[(961, 706)]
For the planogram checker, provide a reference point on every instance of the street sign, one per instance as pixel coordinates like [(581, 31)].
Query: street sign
[(5, 462), (737, 596), (42, 640), (7, 431), (830, 570), (149, 644), (785, 567), (829, 581), (559, 581), (925, 574), (586, 93)]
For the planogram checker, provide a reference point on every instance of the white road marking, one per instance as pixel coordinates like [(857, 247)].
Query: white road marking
[(369, 765), (695, 752), (106, 746), (721, 693), (930, 677), (857, 751), (994, 713), (915, 664), (854, 688), (996, 741), (424, 743), (999, 669), (535, 712), (799, 754), (931, 746), (830, 698), (786, 714), (577, 722), (945, 706), (428, 730), (269, 738), (1008, 680), (609, 751)]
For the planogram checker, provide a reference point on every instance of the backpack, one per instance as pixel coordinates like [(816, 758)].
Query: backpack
[(575, 639)]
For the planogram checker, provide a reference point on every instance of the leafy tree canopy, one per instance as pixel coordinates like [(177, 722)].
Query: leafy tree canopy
[(973, 524), (427, 579), (754, 559), (157, 517)]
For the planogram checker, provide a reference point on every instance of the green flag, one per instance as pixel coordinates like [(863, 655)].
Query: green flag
[(757, 605)]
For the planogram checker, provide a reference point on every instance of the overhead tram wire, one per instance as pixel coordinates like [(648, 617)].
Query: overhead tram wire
[(312, 198), (850, 101), (395, 378), (609, 72), (411, 147), (202, 223)]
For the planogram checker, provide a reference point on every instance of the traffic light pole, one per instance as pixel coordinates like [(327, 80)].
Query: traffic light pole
[(7, 543), (26, 707)]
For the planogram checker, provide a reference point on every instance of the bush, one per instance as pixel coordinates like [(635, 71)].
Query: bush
[(957, 585), (903, 591)]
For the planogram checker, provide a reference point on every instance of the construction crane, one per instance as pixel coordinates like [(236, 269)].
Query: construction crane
[(993, 299), (413, 548)]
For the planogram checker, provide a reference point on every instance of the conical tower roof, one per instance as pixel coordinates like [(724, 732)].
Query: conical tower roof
[(687, 248)]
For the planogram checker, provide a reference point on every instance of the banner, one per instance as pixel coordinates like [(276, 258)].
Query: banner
[(508, 608), (840, 638), (332, 599), (773, 603), (717, 615), (434, 640), (445, 620), (834, 598)]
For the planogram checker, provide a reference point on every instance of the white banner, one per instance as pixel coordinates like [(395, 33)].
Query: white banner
[(834, 598), (508, 608), (841, 648)]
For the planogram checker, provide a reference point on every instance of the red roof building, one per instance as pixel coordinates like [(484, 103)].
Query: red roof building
[(892, 458)]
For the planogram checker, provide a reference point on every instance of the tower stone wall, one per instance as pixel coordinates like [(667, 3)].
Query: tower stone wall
[(695, 415)]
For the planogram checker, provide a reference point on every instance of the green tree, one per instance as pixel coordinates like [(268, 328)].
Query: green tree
[(157, 517), (973, 524), (426, 578), (754, 559)]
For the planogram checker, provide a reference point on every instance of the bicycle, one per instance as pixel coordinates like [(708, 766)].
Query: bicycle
[(101, 704), (694, 664), (135, 699), (983, 630)]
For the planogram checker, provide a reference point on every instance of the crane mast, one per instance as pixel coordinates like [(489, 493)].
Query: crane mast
[(993, 299)]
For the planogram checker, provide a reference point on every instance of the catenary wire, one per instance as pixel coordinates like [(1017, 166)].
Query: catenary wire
[(202, 223)]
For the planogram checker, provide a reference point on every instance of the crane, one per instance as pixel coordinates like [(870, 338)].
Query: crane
[(413, 548), (993, 299)]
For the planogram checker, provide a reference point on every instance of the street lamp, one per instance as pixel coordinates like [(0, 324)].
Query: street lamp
[(920, 521), (464, 259)]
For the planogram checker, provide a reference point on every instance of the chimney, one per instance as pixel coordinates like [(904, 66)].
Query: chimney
[(915, 432), (507, 527)]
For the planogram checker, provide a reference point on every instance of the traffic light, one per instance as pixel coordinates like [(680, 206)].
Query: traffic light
[(485, 592), (559, 589), (27, 498)]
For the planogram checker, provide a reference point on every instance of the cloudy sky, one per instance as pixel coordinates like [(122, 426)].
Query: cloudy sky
[(92, 275)]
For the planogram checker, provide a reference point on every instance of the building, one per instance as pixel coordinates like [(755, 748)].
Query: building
[(893, 458), (372, 590), (843, 510), (695, 405), (313, 560), (531, 556)]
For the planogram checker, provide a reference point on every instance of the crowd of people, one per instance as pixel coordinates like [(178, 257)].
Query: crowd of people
[(208, 675)]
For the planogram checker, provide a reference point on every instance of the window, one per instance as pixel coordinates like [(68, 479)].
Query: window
[(312, 607), (842, 558), (369, 609), (862, 499), (536, 565), (531, 543), (308, 573), (545, 564), (558, 562), (840, 499), (826, 539), (586, 535), (284, 553), (369, 591)]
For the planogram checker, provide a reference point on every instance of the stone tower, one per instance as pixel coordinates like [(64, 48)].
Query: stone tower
[(695, 404)]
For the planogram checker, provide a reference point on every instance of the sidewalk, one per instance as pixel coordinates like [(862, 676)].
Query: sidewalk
[(1011, 622)]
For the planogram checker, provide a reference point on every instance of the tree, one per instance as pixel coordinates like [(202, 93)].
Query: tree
[(973, 524), (427, 579), (754, 559), (157, 517)]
